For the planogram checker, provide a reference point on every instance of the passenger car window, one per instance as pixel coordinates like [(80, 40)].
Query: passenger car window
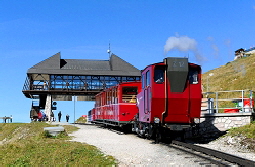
[(129, 94)]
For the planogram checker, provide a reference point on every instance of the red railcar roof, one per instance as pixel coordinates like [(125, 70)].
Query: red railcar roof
[(120, 84)]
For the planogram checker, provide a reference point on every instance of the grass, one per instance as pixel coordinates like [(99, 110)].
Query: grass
[(235, 75), (27, 144), (81, 120), (248, 131)]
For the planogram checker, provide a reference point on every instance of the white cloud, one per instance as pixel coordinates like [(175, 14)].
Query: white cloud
[(214, 46), (183, 44)]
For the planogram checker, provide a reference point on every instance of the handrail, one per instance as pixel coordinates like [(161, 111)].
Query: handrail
[(213, 103)]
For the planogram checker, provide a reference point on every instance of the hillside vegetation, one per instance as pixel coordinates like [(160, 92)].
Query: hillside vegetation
[(81, 120), (235, 75), (26, 144)]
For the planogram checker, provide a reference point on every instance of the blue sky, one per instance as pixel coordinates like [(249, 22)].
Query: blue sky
[(140, 31)]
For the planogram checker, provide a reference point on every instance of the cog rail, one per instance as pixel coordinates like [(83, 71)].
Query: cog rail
[(228, 157)]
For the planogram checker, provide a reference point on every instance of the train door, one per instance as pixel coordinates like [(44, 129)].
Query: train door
[(147, 93), (195, 95), (144, 98)]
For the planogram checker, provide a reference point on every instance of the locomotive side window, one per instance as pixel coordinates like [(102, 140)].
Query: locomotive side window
[(148, 78), (159, 74), (193, 76), (129, 94), (143, 81)]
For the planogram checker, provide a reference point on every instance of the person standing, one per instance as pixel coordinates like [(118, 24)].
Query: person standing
[(45, 86), (40, 116), (52, 116), (59, 116), (67, 117)]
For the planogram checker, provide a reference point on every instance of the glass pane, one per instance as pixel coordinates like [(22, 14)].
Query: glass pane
[(148, 78), (129, 94), (159, 76), (193, 76)]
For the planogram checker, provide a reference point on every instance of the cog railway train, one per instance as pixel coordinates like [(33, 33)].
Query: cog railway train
[(164, 103)]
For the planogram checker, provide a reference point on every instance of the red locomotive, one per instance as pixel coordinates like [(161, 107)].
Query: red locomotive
[(168, 99)]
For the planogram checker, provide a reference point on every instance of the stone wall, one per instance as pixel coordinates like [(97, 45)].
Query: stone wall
[(218, 123)]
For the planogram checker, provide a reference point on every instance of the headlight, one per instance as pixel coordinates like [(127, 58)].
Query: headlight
[(156, 120), (196, 120)]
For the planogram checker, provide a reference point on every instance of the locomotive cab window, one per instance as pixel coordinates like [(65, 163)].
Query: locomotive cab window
[(129, 94), (143, 81), (193, 76), (148, 78), (159, 72)]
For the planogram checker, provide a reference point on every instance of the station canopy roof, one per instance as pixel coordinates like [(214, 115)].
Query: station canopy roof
[(54, 65)]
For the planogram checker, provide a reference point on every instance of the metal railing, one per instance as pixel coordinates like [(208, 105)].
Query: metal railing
[(232, 101), (76, 83)]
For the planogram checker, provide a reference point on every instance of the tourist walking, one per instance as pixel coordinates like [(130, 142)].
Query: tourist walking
[(59, 116), (67, 117)]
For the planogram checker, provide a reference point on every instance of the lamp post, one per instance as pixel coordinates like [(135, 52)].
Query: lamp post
[(74, 109), (211, 74)]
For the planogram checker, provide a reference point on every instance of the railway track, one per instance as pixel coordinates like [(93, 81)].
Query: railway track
[(211, 157), (216, 157)]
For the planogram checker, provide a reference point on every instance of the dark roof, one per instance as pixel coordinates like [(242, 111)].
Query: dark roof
[(239, 50), (247, 50), (113, 67)]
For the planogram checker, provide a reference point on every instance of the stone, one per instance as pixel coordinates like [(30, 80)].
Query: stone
[(54, 131)]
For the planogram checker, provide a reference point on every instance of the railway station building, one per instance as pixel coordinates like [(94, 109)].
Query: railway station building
[(56, 79)]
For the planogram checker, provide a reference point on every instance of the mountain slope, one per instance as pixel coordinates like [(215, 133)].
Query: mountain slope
[(235, 75)]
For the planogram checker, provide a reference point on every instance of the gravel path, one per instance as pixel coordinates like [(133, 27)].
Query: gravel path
[(131, 150)]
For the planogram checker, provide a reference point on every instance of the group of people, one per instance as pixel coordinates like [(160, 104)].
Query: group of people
[(42, 116), (59, 117)]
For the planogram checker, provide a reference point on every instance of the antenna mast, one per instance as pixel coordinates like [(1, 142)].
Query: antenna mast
[(109, 50)]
